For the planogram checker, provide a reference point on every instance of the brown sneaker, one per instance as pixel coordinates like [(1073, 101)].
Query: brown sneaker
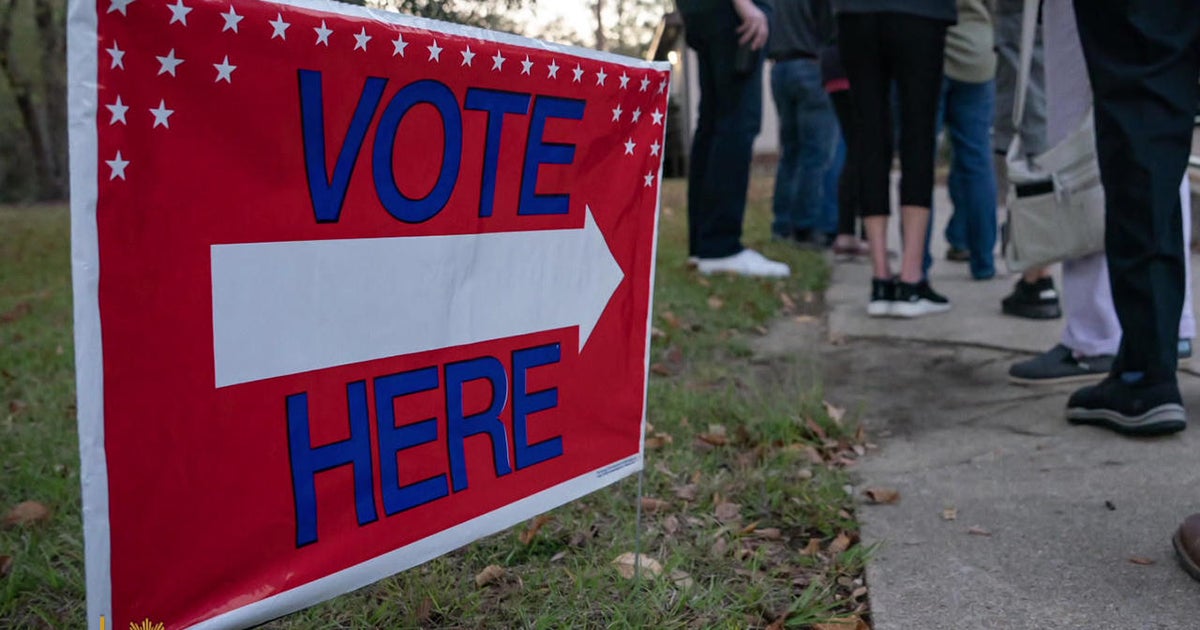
[(1187, 545)]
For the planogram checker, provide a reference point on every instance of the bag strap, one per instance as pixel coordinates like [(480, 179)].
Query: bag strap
[(1028, 35)]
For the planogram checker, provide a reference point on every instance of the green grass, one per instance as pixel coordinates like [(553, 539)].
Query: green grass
[(723, 566)]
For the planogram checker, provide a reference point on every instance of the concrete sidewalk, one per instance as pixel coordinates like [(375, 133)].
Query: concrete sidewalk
[(1054, 526)]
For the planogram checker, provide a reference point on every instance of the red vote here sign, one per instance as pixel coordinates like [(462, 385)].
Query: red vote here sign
[(352, 290)]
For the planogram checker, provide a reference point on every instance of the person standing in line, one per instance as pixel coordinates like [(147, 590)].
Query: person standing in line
[(807, 126), (1143, 62), (1091, 333), (1143, 59), (728, 37), (968, 101), (1034, 295), (882, 42)]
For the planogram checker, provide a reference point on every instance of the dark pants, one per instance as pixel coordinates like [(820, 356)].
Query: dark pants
[(1143, 60), (730, 116), (848, 181), (877, 49)]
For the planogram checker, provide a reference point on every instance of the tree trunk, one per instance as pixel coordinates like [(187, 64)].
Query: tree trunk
[(601, 43), (19, 87), (50, 16)]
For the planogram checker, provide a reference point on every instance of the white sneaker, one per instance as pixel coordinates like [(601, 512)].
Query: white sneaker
[(744, 263)]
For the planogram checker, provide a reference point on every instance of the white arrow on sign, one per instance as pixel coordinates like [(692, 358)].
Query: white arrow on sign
[(290, 307)]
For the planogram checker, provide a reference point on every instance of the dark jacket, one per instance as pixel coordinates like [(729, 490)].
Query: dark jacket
[(944, 10), (800, 29)]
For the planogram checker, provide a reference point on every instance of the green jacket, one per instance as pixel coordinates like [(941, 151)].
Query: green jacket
[(970, 44)]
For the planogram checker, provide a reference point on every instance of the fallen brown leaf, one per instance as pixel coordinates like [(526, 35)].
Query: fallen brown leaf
[(651, 505), (719, 547), (1140, 560), (17, 406), (27, 513), (425, 610), (882, 495), (835, 413), (778, 624), (6, 563), (749, 529), (978, 531), (655, 442), (681, 579), (770, 533), (728, 512), (950, 514), (528, 535), (812, 548), (839, 544), (806, 319), (717, 435), (748, 459), (489, 575), (670, 319), (687, 492), (660, 369), (657, 333), (671, 524), (715, 303), (788, 302), (853, 622), (858, 592), (628, 562), (815, 429)]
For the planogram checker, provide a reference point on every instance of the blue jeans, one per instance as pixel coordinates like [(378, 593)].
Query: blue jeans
[(807, 133), (967, 114), (729, 119), (831, 221)]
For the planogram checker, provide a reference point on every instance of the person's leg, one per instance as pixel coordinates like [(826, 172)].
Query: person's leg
[(731, 111), (699, 28), (817, 129), (1187, 319), (1143, 64), (972, 183), (833, 214), (831, 217), (848, 180), (868, 70), (955, 232), (917, 46), (788, 176), (1092, 327)]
